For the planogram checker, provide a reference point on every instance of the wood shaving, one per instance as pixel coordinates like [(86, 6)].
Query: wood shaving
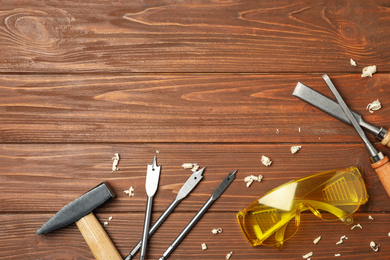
[(195, 167), (299, 129), (315, 241), (216, 231), (187, 165), (295, 149), (250, 179), (115, 162), (336, 255), (358, 225), (266, 161), (157, 151), (307, 255), (229, 255), (105, 223), (277, 131), (341, 240), (352, 62), (374, 246), (370, 217), (130, 191), (374, 106), (368, 71), (249, 183), (204, 246), (388, 234)]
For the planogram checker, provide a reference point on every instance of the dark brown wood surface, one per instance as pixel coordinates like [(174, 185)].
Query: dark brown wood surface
[(207, 82)]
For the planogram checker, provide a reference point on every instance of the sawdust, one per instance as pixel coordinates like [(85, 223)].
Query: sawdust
[(368, 71), (374, 106), (266, 161), (115, 162)]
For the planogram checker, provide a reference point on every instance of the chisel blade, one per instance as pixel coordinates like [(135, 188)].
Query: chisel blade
[(371, 149), (331, 107)]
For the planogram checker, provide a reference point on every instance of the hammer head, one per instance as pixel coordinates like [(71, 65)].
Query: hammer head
[(78, 208)]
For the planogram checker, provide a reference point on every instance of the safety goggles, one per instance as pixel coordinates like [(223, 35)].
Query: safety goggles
[(328, 195)]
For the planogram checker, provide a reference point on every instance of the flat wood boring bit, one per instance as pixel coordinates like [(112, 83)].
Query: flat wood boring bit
[(188, 186), (151, 185), (216, 194)]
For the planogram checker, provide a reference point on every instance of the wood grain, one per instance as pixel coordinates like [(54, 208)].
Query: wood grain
[(125, 230), (204, 81), (180, 108), (200, 36), (44, 178)]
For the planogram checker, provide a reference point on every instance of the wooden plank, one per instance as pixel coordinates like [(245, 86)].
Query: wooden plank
[(180, 108), (201, 36), (46, 177), (19, 239)]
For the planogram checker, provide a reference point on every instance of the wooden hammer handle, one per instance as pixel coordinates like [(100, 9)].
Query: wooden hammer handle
[(386, 139), (97, 239), (382, 168)]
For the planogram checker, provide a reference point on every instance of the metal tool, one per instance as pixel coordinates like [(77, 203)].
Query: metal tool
[(216, 194), (80, 211), (151, 185), (379, 162), (334, 109), (188, 186)]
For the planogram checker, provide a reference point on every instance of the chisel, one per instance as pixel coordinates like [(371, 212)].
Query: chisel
[(151, 185), (188, 186), (216, 194), (331, 107), (379, 162)]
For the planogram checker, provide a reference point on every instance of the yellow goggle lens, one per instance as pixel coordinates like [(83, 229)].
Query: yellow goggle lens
[(328, 195)]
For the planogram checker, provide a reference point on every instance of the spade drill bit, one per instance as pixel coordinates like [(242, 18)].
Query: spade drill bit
[(216, 194), (151, 185), (190, 184)]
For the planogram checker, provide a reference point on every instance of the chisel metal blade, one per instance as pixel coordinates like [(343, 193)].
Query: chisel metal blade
[(331, 107), (371, 149)]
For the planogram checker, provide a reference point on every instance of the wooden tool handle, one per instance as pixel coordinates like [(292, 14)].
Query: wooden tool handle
[(382, 168), (386, 140), (97, 239)]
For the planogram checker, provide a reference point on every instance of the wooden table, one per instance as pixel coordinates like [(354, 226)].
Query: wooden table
[(206, 82)]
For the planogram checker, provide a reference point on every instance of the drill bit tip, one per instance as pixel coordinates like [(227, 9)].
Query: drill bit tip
[(233, 173), (154, 165), (201, 171)]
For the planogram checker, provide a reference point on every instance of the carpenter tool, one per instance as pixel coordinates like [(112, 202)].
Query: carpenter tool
[(80, 211), (334, 109), (379, 162), (216, 194), (190, 184), (151, 185)]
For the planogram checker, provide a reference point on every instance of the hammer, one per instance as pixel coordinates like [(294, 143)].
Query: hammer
[(80, 211)]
